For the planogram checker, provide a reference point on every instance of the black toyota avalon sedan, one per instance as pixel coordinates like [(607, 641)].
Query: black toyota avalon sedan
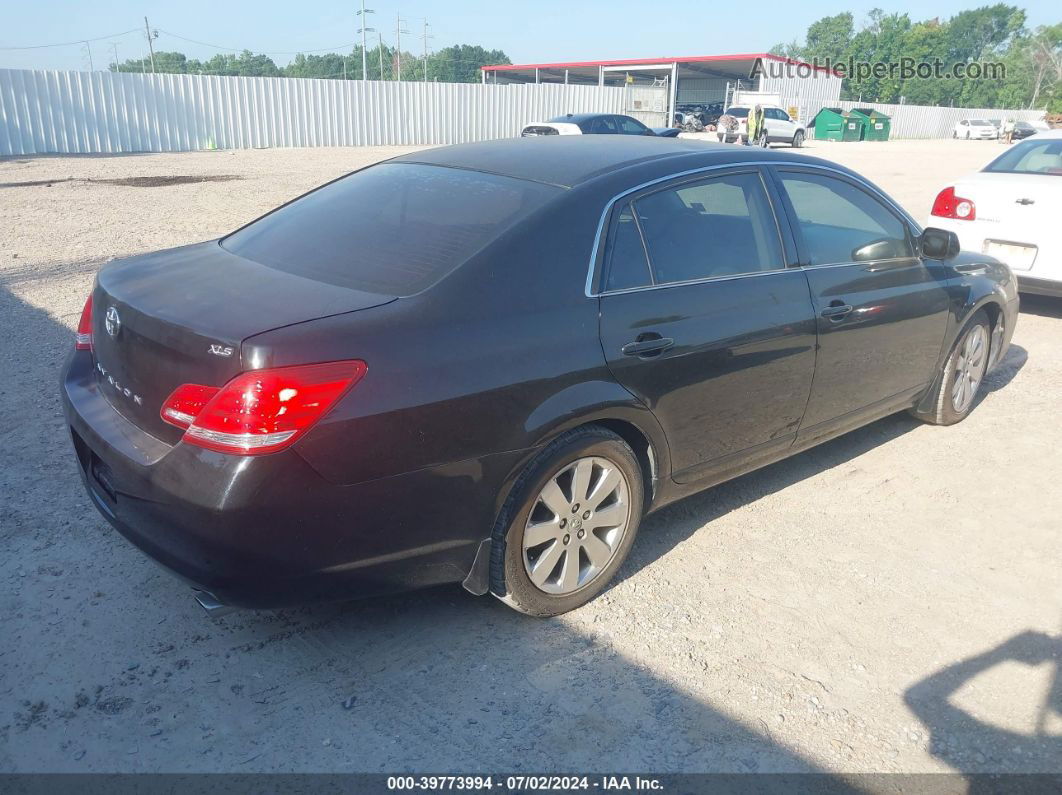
[(486, 363)]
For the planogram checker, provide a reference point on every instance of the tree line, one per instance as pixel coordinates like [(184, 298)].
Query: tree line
[(1032, 59), (457, 64)]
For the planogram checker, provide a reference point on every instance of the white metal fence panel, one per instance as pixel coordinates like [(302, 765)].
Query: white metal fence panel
[(107, 112), (925, 121)]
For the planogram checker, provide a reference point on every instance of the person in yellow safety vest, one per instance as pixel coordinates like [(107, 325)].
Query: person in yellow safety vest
[(756, 126)]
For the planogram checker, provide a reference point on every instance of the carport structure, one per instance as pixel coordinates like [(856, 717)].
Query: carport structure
[(690, 80)]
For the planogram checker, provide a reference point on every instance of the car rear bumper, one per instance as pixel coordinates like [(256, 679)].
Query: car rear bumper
[(1046, 268), (1034, 286), (269, 531)]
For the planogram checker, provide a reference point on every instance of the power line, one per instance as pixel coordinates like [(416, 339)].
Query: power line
[(241, 49), (71, 43)]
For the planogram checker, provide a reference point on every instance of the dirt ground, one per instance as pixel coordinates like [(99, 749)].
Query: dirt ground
[(890, 601)]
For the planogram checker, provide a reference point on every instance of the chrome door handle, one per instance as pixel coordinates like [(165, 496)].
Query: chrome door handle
[(836, 311), (647, 347)]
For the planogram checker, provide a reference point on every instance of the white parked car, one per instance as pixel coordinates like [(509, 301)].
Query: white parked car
[(781, 127), (981, 129), (594, 124), (1010, 209)]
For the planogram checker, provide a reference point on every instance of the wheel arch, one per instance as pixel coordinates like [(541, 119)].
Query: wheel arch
[(992, 307), (623, 416)]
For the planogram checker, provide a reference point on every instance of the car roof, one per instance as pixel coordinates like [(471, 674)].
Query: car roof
[(1045, 134), (570, 160)]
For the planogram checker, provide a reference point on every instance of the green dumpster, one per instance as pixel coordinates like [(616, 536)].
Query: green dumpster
[(876, 125), (828, 125), (854, 127)]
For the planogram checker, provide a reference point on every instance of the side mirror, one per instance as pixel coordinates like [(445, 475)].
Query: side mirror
[(938, 244)]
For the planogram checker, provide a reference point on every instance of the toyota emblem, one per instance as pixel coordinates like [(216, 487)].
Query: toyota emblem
[(112, 322)]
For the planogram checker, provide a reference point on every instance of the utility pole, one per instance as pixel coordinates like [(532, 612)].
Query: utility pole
[(151, 46), (398, 44), (425, 36), (89, 48), (117, 66), (381, 55), (363, 30)]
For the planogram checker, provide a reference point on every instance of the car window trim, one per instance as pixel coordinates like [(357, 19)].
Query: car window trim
[(595, 268), (798, 233)]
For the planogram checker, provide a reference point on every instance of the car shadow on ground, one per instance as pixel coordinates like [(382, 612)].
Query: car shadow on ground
[(972, 745)]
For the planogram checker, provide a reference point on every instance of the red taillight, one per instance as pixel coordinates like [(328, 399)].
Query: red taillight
[(948, 205), (260, 411), (83, 338), (185, 404)]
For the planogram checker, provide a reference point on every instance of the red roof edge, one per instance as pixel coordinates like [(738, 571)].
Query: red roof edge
[(647, 61)]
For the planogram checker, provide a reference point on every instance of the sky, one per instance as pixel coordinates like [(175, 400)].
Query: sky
[(542, 31)]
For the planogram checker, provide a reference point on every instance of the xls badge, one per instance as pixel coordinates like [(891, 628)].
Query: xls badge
[(220, 350)]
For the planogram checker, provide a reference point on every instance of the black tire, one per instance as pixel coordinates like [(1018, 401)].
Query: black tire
[(798, 139), (509, 578), (944, 409)]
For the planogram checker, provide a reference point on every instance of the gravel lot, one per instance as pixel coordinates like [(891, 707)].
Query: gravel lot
[(891, 601)]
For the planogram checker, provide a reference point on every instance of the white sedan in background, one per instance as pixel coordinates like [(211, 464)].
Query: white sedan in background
[(978, 129), (1010, 209)]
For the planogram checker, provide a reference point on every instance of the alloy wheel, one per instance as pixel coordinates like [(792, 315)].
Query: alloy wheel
[(576, 525), (969, 368)]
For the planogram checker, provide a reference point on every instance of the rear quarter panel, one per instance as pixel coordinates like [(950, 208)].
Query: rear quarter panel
[(499, 356)]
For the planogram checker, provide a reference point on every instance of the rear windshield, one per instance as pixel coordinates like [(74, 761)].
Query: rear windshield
[(395, 228), (738, 113), (1031, 156)]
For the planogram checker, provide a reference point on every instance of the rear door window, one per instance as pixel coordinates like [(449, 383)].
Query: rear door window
[(720, 226), (841, 223), (394, 228), (629, 126), (601, 125)]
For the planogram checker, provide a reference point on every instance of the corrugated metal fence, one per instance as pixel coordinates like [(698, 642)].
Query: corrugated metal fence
[(82, 112), (923, 121)]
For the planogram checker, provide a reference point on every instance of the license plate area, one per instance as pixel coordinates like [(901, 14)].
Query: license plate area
[(1017, 255)]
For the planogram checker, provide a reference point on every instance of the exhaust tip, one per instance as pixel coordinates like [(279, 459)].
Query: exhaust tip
[(214, 607)]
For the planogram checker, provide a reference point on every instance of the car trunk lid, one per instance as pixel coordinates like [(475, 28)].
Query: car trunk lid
[(179, 316), (1013, 209)]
